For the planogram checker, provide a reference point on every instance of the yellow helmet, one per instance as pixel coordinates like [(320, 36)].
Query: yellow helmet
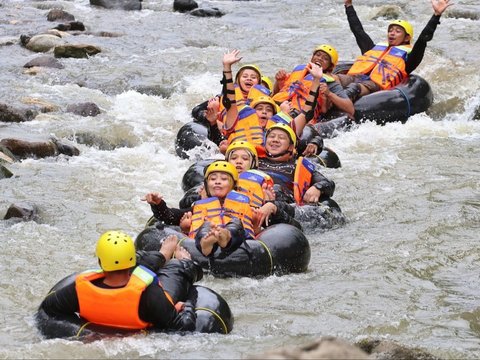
[(267, 82), (287, 129), (246, 146), (405, 25), (251, 67), (116, 251), (222, 166), (264, 100), (330, 50)]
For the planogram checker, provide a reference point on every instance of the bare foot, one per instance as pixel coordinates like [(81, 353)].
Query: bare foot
[(224, 237), (168, 246), (207, 242), (182, 253)]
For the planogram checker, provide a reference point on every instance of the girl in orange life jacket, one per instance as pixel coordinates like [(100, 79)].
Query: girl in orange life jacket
[(224, 219), (337, 100), (383, 66), (240, 123), (124, 294), (280, 164), (259, 188)]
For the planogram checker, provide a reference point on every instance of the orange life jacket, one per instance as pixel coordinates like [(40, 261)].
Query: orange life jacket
[(247, 127), (384, 64), (113, 307), (236, 205), (302, 178), (250, 183), (297, 87)]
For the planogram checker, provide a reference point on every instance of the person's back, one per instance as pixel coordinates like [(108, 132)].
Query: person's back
[(116, 296)]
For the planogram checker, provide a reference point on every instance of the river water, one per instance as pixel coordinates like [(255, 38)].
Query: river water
[(405, 267)]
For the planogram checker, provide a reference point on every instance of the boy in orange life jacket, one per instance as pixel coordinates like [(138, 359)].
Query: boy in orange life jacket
[(394, 60), (125, 294), (224, 219), (330, 90), (279, 162)]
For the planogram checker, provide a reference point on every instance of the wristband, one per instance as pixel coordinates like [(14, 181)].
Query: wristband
[(313, 93)]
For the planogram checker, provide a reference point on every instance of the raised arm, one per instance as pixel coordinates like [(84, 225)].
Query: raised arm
[(229, 59)]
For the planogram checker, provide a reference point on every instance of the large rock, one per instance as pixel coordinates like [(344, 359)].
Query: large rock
[(44, 61), (118, 4), (39, 149), (389, 350), (23, 211), (71, 26), (9, 114), (59, 14), (324, 348), (207, 12), (43, 42), (4, 172), (84, 109), (76, 51), (184, 5)]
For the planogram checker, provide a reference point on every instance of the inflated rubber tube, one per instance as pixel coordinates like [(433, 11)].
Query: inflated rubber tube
[(324, 215), (412, 96), (190, 135), (213, 316), (280, 249), (194, 174)]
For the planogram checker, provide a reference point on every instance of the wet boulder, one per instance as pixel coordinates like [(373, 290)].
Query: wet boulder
[(42, 42), (71, 26), (22, 211), (84, 109), (75, 51), (38, 149), (207, 12), (118, 4), (389, 350), (44, 61), (59, 14), (184, 5), (5, 173), (9, 114), (324, 348)]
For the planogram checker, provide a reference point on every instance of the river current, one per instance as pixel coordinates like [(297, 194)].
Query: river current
[(405, 266)]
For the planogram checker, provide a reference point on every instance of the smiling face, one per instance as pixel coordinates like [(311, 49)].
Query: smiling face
[(277, 142), (241, 159), (248, 78), (219, 184), (322, 59), (397, 35), (264, 112)]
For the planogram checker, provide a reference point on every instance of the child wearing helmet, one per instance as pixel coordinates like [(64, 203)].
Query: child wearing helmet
[(281, 165), (395, 60), (125, 294), (330, 94), (222, 220)]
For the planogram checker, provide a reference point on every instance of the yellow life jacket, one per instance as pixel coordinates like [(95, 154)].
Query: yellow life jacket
[(256, 91), (384, 64), (297, 87), (247, 127), (236, 205), (302, 178), (113, 307), (250, 183)]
